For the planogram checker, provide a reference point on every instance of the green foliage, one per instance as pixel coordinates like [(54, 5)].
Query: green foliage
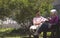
[(45, 7), (21, 10), (29, 7)]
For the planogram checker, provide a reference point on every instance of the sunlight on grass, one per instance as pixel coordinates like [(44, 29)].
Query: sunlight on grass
[(48, 34), (6, 29)]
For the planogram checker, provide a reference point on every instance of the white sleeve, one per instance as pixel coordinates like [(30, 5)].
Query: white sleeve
[(44, 19)]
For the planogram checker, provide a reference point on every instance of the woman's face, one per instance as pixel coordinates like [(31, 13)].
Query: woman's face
[(53, 14), (37, 14)]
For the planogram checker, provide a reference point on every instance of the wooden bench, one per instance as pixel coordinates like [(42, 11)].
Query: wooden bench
[(53, 31)]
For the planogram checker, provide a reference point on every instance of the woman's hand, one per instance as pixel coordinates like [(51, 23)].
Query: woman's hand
[(49, 18), (42, 22), (37, 23)]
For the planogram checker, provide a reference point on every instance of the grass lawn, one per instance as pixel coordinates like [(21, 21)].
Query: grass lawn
[(5, 29), (6, 33)]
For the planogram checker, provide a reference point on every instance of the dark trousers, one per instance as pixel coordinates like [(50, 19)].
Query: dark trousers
[(44, 27)]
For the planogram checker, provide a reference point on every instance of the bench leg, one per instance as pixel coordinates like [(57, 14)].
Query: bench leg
[(44, 34), (57, 32), (53, 35), (29, 36)]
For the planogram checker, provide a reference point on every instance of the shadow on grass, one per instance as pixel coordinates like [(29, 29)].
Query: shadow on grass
[(27, 37), (14, 33)]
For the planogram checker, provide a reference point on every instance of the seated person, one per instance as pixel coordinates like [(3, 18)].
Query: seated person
[(37, 21), (52, 20)]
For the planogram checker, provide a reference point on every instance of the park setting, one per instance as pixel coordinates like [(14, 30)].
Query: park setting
[(18, 17)]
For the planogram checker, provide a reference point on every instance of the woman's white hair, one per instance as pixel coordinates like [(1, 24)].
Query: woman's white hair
[(53, 11)]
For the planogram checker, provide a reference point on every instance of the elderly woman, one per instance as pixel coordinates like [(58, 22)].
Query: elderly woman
[(54, 16), (53, 19)]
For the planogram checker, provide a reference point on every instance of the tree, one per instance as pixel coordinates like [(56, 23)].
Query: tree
[(24, 10), (21, 10), (29, 7)]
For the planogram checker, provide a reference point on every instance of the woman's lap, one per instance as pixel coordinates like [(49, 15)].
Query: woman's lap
[(44, 27)]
